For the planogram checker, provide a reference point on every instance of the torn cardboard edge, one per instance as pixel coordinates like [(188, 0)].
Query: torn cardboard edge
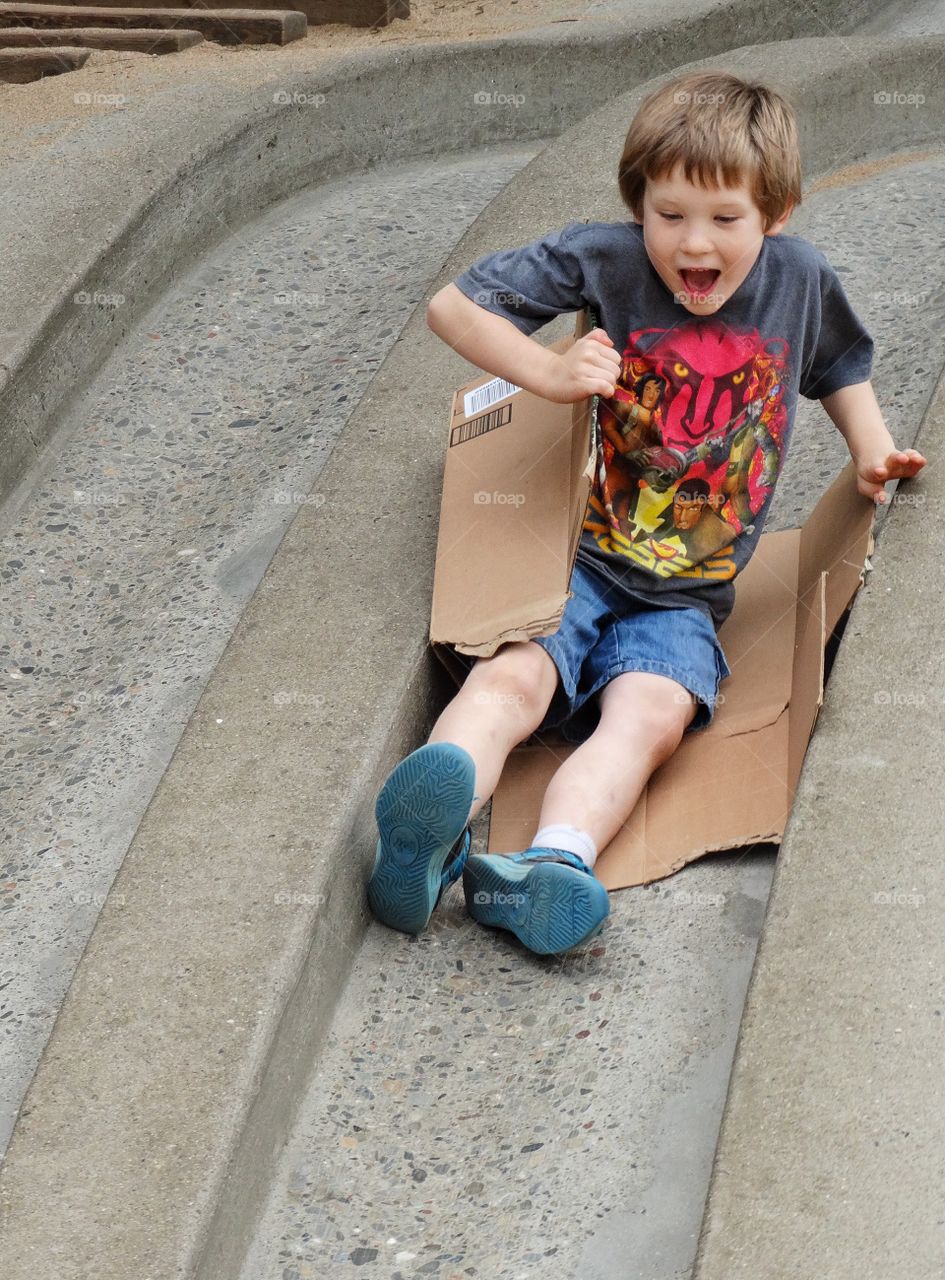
[(516, 483)]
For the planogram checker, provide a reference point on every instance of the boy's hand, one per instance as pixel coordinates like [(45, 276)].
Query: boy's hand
[(589, 367), (901, 464)]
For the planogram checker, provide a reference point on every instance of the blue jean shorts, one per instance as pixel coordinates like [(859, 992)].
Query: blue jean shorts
[(603, 634)]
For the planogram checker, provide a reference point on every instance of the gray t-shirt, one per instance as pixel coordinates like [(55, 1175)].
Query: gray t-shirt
[(696, 435)]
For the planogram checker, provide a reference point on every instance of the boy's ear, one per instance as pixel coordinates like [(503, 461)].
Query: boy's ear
[(781, 222)]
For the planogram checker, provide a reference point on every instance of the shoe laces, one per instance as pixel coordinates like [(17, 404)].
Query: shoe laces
[(539, 854)]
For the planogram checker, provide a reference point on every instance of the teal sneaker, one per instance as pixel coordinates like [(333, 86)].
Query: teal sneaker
[(424, 837), (549, 898)]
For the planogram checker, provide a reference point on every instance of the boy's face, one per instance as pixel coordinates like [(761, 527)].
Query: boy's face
[(702, 241)]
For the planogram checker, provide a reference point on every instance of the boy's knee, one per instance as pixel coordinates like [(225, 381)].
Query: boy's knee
[(653, 713), (520, 677)]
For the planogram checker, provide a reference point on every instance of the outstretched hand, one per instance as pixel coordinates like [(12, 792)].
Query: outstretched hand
[(901, 464)]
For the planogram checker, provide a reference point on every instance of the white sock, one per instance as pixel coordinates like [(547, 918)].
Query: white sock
[(559, 835)]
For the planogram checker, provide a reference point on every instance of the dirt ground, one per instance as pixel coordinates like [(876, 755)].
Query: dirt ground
[(34, 115), (459, 19)]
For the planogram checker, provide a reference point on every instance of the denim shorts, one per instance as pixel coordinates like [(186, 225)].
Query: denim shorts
[(603, 634)]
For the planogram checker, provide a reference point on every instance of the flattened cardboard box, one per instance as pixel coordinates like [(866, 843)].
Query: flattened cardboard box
[(515, 488)]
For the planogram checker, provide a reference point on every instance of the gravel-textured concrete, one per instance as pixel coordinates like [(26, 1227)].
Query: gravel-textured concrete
[(480, 1112), (129, 563)]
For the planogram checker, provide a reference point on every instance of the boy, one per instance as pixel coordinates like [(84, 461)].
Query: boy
[(721, 321)]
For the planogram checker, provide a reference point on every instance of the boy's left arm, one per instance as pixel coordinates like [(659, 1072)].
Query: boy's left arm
[(857, 416)]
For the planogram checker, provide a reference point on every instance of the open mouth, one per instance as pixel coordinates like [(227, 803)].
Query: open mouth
[(699, 281)]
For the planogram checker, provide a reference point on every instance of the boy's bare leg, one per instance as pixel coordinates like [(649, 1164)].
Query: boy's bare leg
[(643, 718), (424, 808), (503, 700)]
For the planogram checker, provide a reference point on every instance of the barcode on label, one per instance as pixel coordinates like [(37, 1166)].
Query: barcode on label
[(479, 426), (489, 393)]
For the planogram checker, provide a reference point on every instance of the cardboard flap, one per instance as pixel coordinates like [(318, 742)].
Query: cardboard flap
[(807, 696), (515, 488), (758, 638), (836, 539), (501, 630)]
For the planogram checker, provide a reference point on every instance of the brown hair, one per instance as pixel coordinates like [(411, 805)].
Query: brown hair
[(715, 124)]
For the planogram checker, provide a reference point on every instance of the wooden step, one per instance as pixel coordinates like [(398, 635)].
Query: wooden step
[(225, 26), (99, 38), (353, 13), (20, 66)]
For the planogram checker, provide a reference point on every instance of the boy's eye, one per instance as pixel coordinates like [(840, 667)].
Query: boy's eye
[(721, 217)]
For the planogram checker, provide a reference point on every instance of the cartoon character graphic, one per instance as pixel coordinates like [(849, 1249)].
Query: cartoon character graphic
[(630, 423), (691, 443), (691, 520)]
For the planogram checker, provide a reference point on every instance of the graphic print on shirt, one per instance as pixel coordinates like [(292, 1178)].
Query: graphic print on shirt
[(690, 447)]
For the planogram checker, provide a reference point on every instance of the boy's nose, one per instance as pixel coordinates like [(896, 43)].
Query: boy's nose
[(695, 242)]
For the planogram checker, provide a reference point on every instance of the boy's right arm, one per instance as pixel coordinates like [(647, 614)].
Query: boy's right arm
[(590, 366)]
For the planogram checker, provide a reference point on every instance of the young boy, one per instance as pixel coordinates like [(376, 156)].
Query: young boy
[(720, 321)]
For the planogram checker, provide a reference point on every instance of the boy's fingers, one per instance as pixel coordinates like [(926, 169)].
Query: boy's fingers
[(905, 469)]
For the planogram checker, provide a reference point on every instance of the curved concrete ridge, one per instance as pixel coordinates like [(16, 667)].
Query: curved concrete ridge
[(177, 1059), (829, 1160), (157, 176)]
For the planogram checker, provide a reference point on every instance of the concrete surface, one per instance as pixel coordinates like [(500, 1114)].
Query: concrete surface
[(187, 1037), (830, 1156), (480, 1112)]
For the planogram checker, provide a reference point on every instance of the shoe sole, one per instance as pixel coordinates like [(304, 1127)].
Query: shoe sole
[(421, 813), (549, 906)]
